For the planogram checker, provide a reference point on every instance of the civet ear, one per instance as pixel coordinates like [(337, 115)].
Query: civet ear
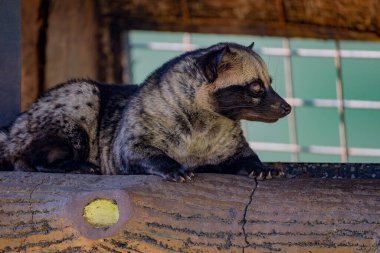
[(251, 45), (210, 62)]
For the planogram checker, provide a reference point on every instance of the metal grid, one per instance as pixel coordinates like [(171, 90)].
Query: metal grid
[(340, 103)]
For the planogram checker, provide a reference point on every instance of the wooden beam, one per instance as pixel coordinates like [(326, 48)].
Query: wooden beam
[(34, 25), (323, 19), (213, 213), (269, 28)]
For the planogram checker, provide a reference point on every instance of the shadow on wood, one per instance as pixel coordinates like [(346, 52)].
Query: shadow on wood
[(214, 213)]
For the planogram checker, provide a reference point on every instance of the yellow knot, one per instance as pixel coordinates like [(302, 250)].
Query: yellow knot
[(101, 213)]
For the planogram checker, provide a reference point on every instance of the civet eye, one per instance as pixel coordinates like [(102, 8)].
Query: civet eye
[(256, 88)]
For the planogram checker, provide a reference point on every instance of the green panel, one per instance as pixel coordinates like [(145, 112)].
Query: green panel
[(268, 132), (364, 159), (145, 61), (313, 77), (316, 158), (317, 126), (363, 128), (361, 79), (151, 36), (267, 156)]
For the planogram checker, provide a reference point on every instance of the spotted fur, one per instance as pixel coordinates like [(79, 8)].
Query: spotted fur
[(184, 118)]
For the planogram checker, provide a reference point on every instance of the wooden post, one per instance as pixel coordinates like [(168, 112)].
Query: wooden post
[(213, 213), (72, 46), (34, 26), (69, 39)]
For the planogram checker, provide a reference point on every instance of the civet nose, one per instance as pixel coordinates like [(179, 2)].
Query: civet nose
[(286, 108)]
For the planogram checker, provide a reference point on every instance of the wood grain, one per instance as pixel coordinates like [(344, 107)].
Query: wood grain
[(71, 49), (323, 19), (32, 40), (213, 213)]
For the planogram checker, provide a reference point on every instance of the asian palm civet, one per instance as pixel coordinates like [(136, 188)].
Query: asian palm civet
[(184, 118)]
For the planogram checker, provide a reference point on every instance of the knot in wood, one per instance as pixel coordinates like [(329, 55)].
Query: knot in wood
[(101, 213)]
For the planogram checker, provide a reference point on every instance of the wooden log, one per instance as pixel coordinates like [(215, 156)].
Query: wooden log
[(213, 213)]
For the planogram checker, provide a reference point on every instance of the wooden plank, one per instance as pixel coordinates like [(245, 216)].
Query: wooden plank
[(72, 45), (64, 40), (213, 213), (10, 67)]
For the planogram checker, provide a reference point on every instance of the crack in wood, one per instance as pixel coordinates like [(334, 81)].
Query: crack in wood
[(31, 210), (244, 220)]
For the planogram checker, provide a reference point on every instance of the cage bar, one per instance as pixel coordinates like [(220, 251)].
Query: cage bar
[(289, 93), (340, 97), (313, 149)]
